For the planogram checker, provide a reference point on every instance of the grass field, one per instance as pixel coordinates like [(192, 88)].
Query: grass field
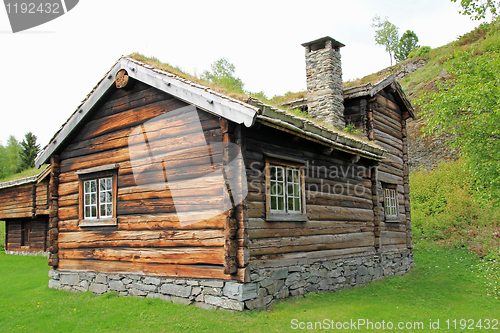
[(444, 285)]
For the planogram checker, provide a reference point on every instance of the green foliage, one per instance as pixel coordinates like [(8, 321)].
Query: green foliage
[(29, 151), (468, 107), (447, 207), (223, 73), (420, 52), (351, 129), (478, 9), (386, 34), (11, 156), (407, 43), (2, 236)]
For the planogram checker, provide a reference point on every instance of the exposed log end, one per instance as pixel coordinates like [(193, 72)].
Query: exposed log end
[(123, 81)]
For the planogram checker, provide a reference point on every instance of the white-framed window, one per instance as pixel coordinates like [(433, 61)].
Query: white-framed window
[(98, 198), (391, 203), (285, 189), (98, 192), (285, 193)]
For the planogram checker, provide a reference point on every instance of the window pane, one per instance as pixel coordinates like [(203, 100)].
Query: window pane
[(87, 211), (93, 211), (281, 203), (274, 203), (290, 204), (279, 188), (109, 210), (103, 210), (93, 198), (277, 184), (93, 186)]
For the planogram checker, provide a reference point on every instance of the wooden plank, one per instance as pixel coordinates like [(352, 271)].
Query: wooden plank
[(310, 243), (191, 220), (181, 256), (317, 212), (388, 129), (331, 228), (166, 270), (143, 238), (389, 121), (303, 258)]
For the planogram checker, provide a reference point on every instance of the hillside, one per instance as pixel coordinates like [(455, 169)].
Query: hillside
[(419, 74)]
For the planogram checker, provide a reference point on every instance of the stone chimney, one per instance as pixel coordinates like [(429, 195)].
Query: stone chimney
[(325, 95)]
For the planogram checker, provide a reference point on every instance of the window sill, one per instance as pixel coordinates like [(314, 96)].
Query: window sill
[(393, 220), (98, 223), (286, 217)]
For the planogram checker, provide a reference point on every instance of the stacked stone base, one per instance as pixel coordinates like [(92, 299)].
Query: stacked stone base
[(26, 253), (267, 284)]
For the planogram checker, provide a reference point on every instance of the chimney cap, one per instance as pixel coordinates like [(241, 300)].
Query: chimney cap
[(321, 43)]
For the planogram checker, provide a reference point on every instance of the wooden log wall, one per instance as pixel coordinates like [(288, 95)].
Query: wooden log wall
[(17, 202), (355, 113), (42, 197), (148, 236), (53, 193), (35, 233), (389, 131), (338, 202)]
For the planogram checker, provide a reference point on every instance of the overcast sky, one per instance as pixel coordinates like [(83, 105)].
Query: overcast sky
[(48, 70)]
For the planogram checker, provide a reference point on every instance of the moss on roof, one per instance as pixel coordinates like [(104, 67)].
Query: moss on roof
[(275, 102), (156, 63)]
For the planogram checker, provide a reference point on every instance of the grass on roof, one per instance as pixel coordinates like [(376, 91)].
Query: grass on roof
[(276, 101), (23, 174), (156, 63)]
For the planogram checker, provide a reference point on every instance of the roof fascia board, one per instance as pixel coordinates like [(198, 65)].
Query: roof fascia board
[(194, 94)]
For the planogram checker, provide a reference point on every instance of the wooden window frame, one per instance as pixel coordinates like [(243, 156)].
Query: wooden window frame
[(97, 175), (391, 189), (277, 216)]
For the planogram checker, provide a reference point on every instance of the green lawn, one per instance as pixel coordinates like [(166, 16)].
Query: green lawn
[(444, 285)]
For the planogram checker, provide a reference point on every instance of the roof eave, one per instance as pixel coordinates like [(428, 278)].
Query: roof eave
[(195, 94)]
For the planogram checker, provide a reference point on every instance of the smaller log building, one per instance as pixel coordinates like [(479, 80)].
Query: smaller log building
[(24, 208), (165, 188)]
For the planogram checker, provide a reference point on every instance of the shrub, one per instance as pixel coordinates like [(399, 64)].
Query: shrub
[(446, 207), (420, 52)]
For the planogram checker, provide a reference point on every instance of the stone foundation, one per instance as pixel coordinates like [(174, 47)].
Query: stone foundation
[(25, 253), (267, 284)]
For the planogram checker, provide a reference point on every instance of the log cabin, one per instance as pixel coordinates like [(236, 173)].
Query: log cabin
[(165, 188), (24, 207)]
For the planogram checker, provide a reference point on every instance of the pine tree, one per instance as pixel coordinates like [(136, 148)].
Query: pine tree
[(29, 151)]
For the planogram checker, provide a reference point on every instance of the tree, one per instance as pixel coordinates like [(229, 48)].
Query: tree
[(12, 159), (468, 107), (3, 169), (386, 34), (407, 43), (29, 151), (478, 9), (223, 73)]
